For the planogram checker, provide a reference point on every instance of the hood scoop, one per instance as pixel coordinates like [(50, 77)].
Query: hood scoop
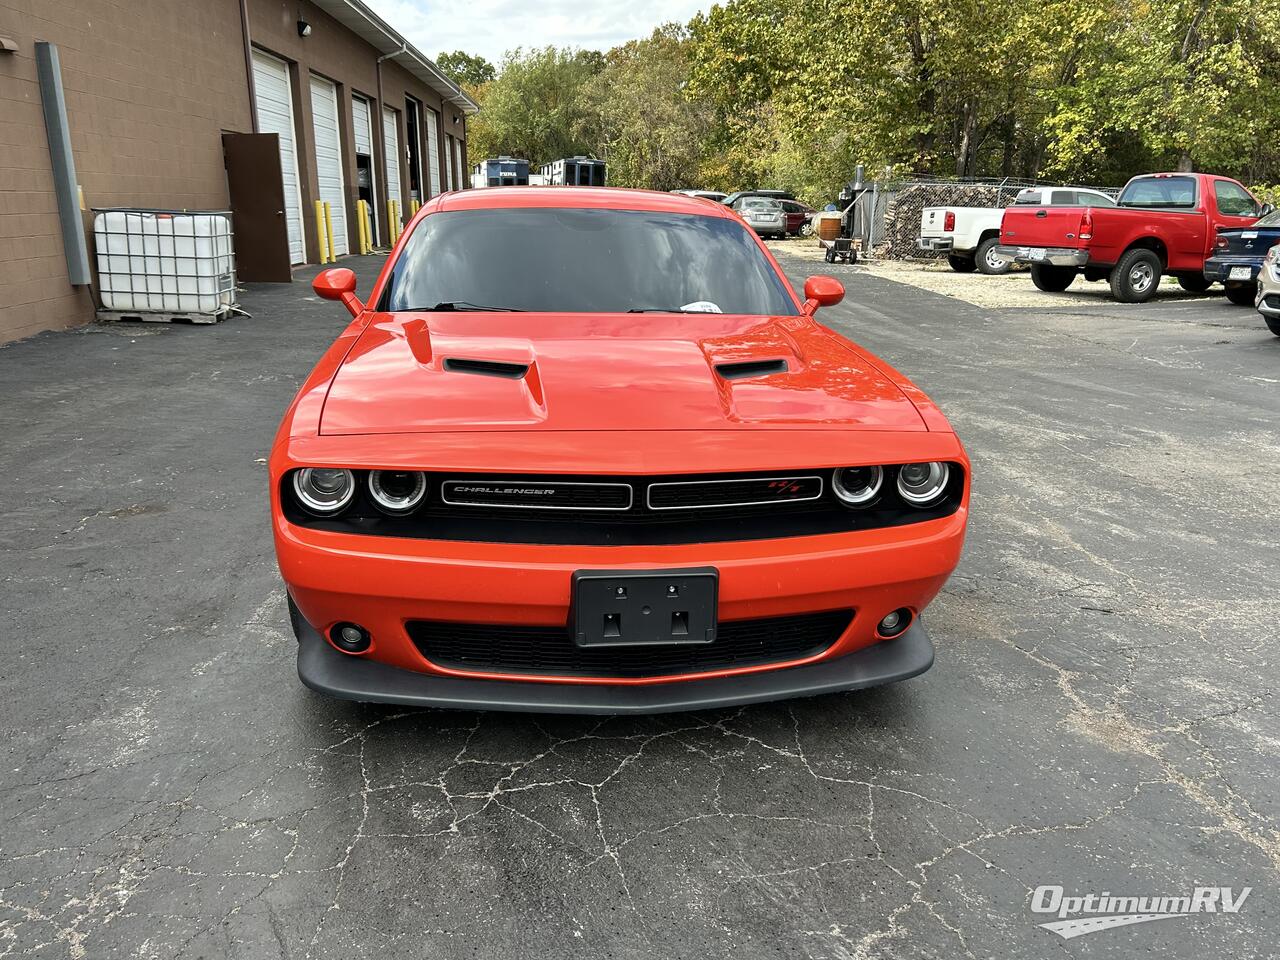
[(487, 368), (741, 370)]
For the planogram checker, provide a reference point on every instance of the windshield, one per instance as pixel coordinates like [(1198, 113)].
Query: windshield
[(768, 206), (1160, 192), (584, 260)]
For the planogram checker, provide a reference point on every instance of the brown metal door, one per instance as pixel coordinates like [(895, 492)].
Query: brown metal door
[(256, 189)]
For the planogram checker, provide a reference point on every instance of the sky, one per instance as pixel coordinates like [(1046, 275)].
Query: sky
[(491, 27)]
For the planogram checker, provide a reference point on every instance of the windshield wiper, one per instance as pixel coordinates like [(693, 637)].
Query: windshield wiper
[(463, 305), (663, 310)]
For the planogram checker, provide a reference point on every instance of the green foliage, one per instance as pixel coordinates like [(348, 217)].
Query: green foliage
[(649, 141), (534, 108), (467, 70), (794, 93)]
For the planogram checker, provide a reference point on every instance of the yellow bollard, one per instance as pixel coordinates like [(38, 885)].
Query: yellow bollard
[(324, 255), (368, 228), (328, 231), (391, 221), (399, 227), (360, 241), (414, 206)]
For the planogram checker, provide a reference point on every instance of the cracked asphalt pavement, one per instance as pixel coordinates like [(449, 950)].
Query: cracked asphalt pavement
[(1101, 716)]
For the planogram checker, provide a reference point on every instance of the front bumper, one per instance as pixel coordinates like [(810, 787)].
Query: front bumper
[(325, 670), (1218, 269), (1054, 256), (384, 583), (936, 244)]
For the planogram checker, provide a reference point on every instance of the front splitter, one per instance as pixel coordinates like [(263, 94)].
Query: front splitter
[(325, 670)]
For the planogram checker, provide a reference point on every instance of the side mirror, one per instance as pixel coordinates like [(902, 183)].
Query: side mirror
[(1267, 210), (338, 284), (821, 291)]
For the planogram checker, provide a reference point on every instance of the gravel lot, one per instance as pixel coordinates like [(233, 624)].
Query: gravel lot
[(1101, 716), (1014, 289)]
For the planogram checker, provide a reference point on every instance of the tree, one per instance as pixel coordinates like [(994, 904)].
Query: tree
[(465, 69), (533, 109), (648, 130), (795, 93)]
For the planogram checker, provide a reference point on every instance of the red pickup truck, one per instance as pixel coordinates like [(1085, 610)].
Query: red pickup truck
[(1162, 223)]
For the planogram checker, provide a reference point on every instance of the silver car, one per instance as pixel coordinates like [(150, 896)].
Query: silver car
[(766, 217), (1268, 301)]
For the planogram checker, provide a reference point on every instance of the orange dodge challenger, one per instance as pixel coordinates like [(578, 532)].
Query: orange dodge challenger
[(585, 450)]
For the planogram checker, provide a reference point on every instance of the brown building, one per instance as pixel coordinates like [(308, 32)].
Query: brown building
[(150, 88)]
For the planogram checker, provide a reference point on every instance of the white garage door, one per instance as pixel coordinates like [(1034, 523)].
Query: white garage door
[(448, 162), (360, 125), (457, 162), (391, 144), (324, 114), (362, 129), (433, 150), (275, 115)]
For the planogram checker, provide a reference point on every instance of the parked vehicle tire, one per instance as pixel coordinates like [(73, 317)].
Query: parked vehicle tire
[(961, 264), (1052, 279), (1136, 278), (806, 229), (1194, 282), (987, 260), (1242, 294), (1273, 324)]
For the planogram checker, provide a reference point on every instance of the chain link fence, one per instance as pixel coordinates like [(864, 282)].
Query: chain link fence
[(886, 216)]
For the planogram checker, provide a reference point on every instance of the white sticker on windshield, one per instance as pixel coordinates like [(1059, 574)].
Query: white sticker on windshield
[(701, 306)]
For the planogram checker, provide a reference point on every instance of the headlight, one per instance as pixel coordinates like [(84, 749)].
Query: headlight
[(921, 484), (857, 486), (323, 490), (397, 491)]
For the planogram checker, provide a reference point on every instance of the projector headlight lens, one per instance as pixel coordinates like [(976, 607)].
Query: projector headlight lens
[(857, 486), (323, 490), (923, 484), (397, 491)]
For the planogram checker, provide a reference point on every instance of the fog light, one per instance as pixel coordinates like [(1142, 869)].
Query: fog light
[(894, 623), (350, 638)]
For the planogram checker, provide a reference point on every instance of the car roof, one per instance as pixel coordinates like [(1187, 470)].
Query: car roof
[(601, 198)]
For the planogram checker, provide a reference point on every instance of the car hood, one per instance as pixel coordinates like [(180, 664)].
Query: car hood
[(414, 373)]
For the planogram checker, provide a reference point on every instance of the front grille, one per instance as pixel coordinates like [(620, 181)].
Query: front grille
[(530, 495), (756, 492), (550, 651)]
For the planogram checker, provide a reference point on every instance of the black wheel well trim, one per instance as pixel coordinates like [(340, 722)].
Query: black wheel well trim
[(1155, 245)]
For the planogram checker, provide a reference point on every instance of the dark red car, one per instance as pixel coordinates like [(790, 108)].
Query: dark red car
[(799, 217)]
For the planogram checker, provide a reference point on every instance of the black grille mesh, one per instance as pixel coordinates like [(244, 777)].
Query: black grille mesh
[(551, 650)]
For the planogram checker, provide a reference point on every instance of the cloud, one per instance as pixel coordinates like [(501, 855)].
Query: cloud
[(491, 27)]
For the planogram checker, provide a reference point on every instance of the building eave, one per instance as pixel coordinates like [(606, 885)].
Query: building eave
[(371, 28)]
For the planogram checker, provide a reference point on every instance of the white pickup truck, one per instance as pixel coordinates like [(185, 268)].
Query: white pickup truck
[(969, 235)]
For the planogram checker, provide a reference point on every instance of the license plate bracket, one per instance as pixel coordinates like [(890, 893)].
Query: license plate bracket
[(630, 608)]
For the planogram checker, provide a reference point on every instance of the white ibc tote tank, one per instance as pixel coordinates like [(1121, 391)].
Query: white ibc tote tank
[(166, 262)]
